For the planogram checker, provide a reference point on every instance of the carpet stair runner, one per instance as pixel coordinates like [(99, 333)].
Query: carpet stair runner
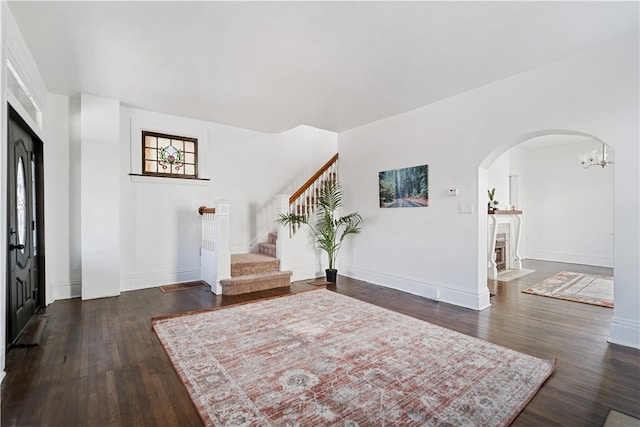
[(255, 272), (268, 248)]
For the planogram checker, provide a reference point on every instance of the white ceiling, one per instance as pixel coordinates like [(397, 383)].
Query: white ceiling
[(271, 66)]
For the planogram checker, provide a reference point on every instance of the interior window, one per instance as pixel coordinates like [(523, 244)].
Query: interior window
[(169, 155)]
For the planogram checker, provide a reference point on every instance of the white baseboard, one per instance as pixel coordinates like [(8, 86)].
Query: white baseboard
[(434, 291), (66, 290), (132, 282), (624, 332), (305, 272), (570, 258)]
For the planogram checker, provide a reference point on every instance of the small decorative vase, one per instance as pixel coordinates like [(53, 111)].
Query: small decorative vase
[(331, 275)]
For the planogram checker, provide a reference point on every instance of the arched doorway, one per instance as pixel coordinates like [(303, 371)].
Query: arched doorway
[(568, 208)]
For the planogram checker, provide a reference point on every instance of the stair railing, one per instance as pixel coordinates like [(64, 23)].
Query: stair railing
[(305, 200), (215, 255)]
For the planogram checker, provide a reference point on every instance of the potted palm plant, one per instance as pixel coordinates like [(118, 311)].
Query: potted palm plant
[(329, 229)]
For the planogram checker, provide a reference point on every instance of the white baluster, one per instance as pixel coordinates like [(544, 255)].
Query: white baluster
[(215, 256), (208, 237)]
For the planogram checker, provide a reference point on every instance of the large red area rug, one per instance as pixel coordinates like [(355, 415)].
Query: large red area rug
[(319, 358), (570, 286)]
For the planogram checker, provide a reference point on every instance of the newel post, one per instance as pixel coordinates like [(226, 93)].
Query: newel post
[(215, 256), (283, 242)]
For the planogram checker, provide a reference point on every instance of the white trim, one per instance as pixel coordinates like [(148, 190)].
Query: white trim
[(27, 92), (304, 272), (571, 258), (13, 101), (66, 290), (624, 332), (434, 291), (132, 282), (4, 12), (18, 53), (166, 180)]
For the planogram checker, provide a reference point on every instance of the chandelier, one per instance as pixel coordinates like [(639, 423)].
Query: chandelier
[(595, 158)]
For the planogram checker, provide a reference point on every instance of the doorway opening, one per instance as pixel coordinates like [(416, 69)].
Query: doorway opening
[(25, 226), (567, 209)]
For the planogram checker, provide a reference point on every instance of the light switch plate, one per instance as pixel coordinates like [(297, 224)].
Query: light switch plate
[(465, 208)]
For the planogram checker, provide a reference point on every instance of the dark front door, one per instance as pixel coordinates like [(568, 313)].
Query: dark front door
[(23, 294)]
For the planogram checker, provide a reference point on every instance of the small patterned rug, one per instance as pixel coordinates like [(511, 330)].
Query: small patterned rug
[(182, 286), (318, 358), (585, 288)]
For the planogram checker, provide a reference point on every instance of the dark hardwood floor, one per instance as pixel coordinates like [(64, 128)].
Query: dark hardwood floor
[(99, 363)]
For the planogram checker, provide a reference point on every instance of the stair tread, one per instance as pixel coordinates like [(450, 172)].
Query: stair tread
[(250, 258), (255, 282), (269, 250), (253, 263), (247, 277)]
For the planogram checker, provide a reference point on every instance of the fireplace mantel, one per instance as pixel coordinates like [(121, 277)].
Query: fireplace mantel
[(509, 212), (514, 219)]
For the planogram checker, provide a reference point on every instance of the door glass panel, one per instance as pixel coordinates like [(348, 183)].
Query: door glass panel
[(33, 204), (21, 203)]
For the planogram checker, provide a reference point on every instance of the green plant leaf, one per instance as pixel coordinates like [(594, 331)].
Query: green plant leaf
[(328, 230)]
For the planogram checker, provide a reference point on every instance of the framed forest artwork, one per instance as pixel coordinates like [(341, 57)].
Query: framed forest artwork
[(404, 188)]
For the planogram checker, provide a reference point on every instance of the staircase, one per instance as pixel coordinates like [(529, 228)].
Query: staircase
[(234, 274), (256, 272), (268, 248)]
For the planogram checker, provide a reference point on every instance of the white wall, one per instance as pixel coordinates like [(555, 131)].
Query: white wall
[(426, 251), (440, 253), (570, 209), (56, 198), (517, 170), (100, 196), (299, 253), (498, 176), (62, 198), (160, 226)]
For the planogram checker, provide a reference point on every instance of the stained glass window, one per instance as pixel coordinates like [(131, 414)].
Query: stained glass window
[(169, 155)]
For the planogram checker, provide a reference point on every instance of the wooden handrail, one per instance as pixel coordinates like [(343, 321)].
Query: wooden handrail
[(203, 210), (311, 180)]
